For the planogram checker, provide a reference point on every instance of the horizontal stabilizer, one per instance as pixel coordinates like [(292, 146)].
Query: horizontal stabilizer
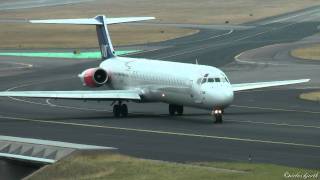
[(91, 21), (248, 86)]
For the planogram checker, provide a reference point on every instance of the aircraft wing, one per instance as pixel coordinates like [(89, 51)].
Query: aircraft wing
[(80, 95), (248, 86), (92, 21)]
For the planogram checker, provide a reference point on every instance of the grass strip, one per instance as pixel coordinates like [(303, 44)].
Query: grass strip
[(107, 165)]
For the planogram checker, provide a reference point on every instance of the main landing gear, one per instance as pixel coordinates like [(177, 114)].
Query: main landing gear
[(120, 109), (175, 109), (217, 113)]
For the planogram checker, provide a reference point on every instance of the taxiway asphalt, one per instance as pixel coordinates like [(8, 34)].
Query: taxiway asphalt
[(267, 126)]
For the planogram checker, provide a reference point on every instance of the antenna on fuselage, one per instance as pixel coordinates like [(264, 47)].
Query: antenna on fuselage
[(197, 61)]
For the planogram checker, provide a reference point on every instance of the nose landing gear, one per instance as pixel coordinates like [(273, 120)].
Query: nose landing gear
[(217, 113), (120, 110)]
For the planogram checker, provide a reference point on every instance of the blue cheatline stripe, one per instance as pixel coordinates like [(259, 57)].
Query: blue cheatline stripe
[(71, 55)]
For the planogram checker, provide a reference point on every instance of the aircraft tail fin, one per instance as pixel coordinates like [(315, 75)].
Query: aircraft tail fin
[(101, 23)]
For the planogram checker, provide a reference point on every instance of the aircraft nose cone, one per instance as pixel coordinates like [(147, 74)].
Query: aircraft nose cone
[(228, 96), (220, 97)]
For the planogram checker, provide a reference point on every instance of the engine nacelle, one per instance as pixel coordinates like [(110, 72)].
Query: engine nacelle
[(94, 77)]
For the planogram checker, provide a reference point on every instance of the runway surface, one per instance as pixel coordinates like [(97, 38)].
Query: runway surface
[(267, 126)]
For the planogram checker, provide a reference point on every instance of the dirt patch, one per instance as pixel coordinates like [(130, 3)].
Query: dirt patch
[(15, 36), (308, 53), (166, 11), (312, 96), (171, 11)]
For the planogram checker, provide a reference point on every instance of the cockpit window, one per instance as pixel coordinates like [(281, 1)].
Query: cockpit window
[(210, 80), (204, 80), (217, 79), (226, 79), (199, 81)]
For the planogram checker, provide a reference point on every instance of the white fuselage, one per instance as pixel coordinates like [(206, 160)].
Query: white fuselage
[(170, 82)]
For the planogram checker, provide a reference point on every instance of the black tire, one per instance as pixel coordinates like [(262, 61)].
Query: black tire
[(116, 111), (172, 109), (180, 110), (218, 119), (124, 110)]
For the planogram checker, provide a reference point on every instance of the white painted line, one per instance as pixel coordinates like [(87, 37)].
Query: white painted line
[(274, 124), (221, 35), (165, 132), (263, 123), (240, 39), (237, 58), (72, 107), (145, 51), (290, 17), (20, 66), (28, 158), (48, 103), (198, 49), (276, 109)]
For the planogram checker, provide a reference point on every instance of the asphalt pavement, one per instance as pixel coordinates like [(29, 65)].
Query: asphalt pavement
[(267, 126)]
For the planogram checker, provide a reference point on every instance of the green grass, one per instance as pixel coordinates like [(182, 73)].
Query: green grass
[(71, 55), (104, 165)]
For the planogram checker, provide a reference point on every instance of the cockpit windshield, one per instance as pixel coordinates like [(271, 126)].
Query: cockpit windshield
[(210, 80), (213, 78), (207, 79), (204, 80)]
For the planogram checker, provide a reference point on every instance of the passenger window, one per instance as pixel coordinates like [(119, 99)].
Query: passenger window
[(217, 79)]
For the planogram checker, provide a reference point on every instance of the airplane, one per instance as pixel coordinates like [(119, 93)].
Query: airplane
[(145, 80)]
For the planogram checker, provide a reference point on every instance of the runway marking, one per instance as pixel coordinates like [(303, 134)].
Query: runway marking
[(21, 66), (217, 36), (164, 132), (72, 107), (274, 124), (237, 58), (290, 24), (24, 85), (290, 17), (276, 109), (264, 123), (236, 40), (48, 103), (22, 100)]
